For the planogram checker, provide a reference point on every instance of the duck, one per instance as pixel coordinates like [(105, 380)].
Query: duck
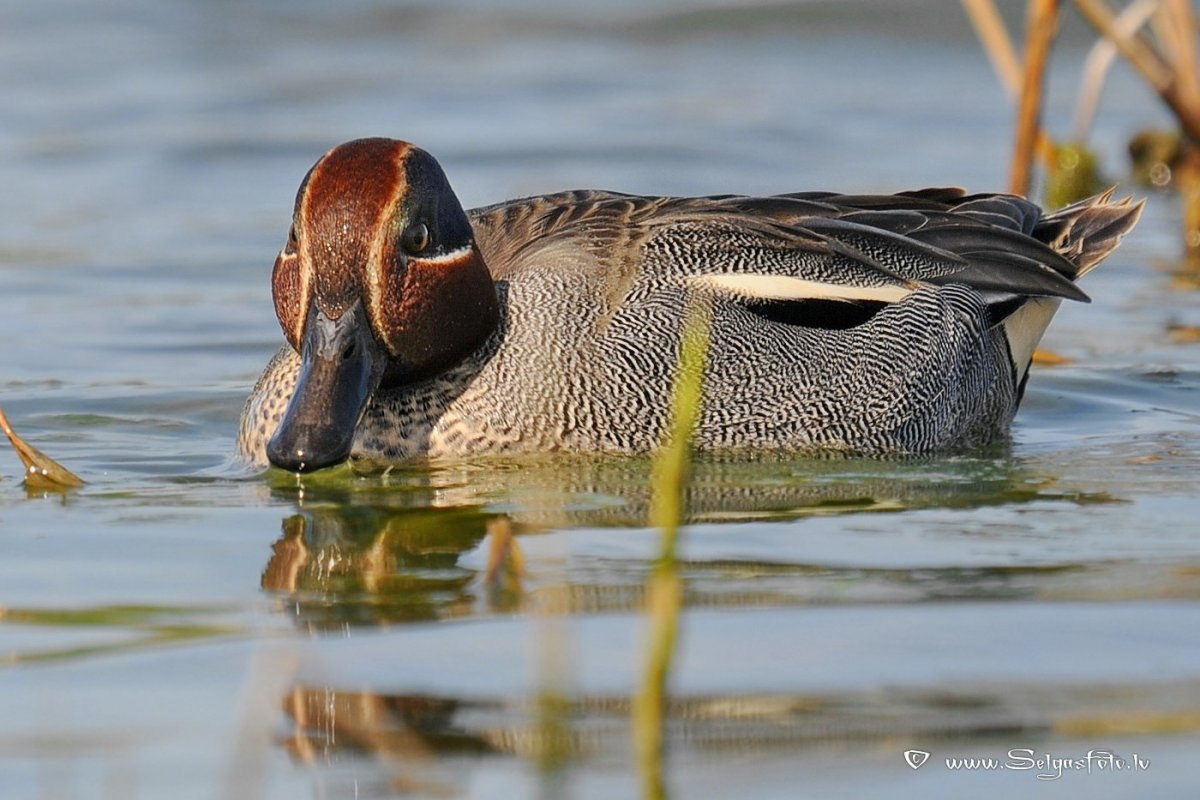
[(852, 323)]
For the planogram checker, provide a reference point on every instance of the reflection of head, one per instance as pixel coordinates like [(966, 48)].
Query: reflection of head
[(366, 565), (401, 733)]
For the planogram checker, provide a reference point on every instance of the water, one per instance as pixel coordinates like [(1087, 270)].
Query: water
[(182, 628)]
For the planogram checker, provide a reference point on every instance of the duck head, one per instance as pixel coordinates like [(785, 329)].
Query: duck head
[(380, 284)]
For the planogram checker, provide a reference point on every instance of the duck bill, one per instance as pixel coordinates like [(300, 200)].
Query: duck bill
[(341, 366)]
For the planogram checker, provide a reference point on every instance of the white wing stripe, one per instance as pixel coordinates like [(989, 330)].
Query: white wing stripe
[(777, 287)]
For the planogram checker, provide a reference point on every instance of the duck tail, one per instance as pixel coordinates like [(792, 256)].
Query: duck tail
[(1082, 233), (1086, 232)]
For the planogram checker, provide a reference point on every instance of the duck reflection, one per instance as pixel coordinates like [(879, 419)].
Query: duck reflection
[(326, 721), (388, 547), (363, 565), (576, 491), (401, 546), (365, 744), (412, 743)]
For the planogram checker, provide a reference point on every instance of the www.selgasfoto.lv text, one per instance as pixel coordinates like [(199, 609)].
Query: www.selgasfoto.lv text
[(1051, 768)]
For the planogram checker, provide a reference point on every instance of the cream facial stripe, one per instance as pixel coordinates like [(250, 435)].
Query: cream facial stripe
[(304, 265), (374, 267), (451, 259)]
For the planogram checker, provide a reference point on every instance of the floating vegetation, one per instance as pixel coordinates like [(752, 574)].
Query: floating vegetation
[(1073, 175), (41, 471), (148, 626)]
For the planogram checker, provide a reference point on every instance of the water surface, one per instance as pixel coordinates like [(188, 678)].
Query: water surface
[(182, 627)]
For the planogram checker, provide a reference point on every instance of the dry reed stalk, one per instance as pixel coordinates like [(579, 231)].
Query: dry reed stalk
[(1100, 59), (1148, 61), (1041, 24), (1169, 63), (1179, 40), (989, 27), (998, 45)]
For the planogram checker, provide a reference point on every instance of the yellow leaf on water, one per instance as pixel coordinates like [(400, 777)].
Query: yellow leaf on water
[(1184, 334), (41, 471), (1048, 358)]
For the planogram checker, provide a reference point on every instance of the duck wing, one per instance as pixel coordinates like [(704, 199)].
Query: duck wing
[(984, 242), (813, 257)]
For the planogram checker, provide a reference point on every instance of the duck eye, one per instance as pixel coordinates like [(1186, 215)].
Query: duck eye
[(416, 238)]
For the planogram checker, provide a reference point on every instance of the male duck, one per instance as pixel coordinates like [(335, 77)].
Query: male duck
[(870, 324)]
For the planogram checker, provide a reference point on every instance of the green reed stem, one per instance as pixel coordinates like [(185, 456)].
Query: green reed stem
[(664, 588)]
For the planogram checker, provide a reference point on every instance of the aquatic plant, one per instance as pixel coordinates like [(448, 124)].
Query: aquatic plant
[(1158, 39), (41, 471), (664, 588)]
